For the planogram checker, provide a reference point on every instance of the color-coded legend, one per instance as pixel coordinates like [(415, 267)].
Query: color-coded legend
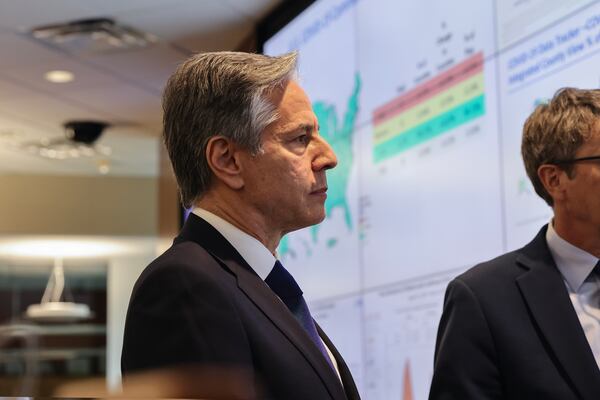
[(443, 103)]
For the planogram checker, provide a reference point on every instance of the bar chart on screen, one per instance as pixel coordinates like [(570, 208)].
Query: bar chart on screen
[(436, 106), (400, 329), (407, 390)]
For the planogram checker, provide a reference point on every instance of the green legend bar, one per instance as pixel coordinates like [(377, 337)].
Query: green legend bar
[(434, 127)]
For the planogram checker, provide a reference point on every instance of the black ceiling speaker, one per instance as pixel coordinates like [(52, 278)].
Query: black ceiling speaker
[(86, 132)]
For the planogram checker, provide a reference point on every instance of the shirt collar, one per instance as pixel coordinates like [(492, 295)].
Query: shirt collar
[(574, 264), (252, 251)]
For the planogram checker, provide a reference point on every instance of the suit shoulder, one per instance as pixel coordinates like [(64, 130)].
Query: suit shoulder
[(492, 273), (182, 255), (508, 266), (182, 264)]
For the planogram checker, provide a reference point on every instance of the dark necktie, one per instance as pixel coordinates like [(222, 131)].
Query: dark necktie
[(284, 285), (595, 272)]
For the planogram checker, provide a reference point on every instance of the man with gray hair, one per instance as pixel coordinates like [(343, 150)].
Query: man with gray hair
[(245, 147), (526, 325)]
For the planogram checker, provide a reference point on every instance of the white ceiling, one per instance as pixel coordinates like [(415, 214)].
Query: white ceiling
[(120, 87)]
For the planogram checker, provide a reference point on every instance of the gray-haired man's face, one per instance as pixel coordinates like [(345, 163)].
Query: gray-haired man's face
[(286, 182)]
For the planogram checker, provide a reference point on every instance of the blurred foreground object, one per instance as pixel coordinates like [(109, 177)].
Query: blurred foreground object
[(180, 382)]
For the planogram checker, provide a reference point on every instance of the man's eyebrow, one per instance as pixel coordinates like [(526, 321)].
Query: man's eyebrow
[(307, 126), (301, 127)]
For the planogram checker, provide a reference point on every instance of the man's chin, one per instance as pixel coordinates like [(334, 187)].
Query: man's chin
[(319, 217), (309, 221)]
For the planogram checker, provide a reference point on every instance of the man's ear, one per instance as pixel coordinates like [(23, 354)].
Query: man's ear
[(554, 180), (222, 156)]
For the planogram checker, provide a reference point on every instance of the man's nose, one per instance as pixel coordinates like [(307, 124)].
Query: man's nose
[(325, 157)]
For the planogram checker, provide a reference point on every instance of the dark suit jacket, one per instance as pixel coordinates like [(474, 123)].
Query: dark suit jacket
[(201, 304), (509, 331)]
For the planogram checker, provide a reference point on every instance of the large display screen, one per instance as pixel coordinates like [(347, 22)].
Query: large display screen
[(423, 103)]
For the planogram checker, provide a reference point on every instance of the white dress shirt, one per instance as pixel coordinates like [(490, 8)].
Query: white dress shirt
[(252, 251), (576, 267)]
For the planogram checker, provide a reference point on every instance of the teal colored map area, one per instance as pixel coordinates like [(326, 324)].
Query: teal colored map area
[(340, 136)]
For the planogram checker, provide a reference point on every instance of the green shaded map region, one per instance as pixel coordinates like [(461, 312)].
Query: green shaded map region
[(340, 135)]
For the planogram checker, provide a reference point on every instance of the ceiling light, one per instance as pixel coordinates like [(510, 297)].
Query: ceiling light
[(103, 167), (58, 76)]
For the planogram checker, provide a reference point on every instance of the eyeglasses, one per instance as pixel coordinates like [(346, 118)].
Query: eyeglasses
[(574, 160)]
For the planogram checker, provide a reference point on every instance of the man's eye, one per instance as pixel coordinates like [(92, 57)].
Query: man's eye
[(302, 139)]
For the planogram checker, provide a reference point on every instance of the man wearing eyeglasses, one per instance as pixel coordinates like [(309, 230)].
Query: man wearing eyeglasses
[(526, 325)]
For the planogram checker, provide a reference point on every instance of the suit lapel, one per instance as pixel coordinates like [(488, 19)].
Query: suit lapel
[(281, 317), (546, 296), (201, 232), (345, 373)]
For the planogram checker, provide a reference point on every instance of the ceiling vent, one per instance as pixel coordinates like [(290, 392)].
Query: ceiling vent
[(93, 35)]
